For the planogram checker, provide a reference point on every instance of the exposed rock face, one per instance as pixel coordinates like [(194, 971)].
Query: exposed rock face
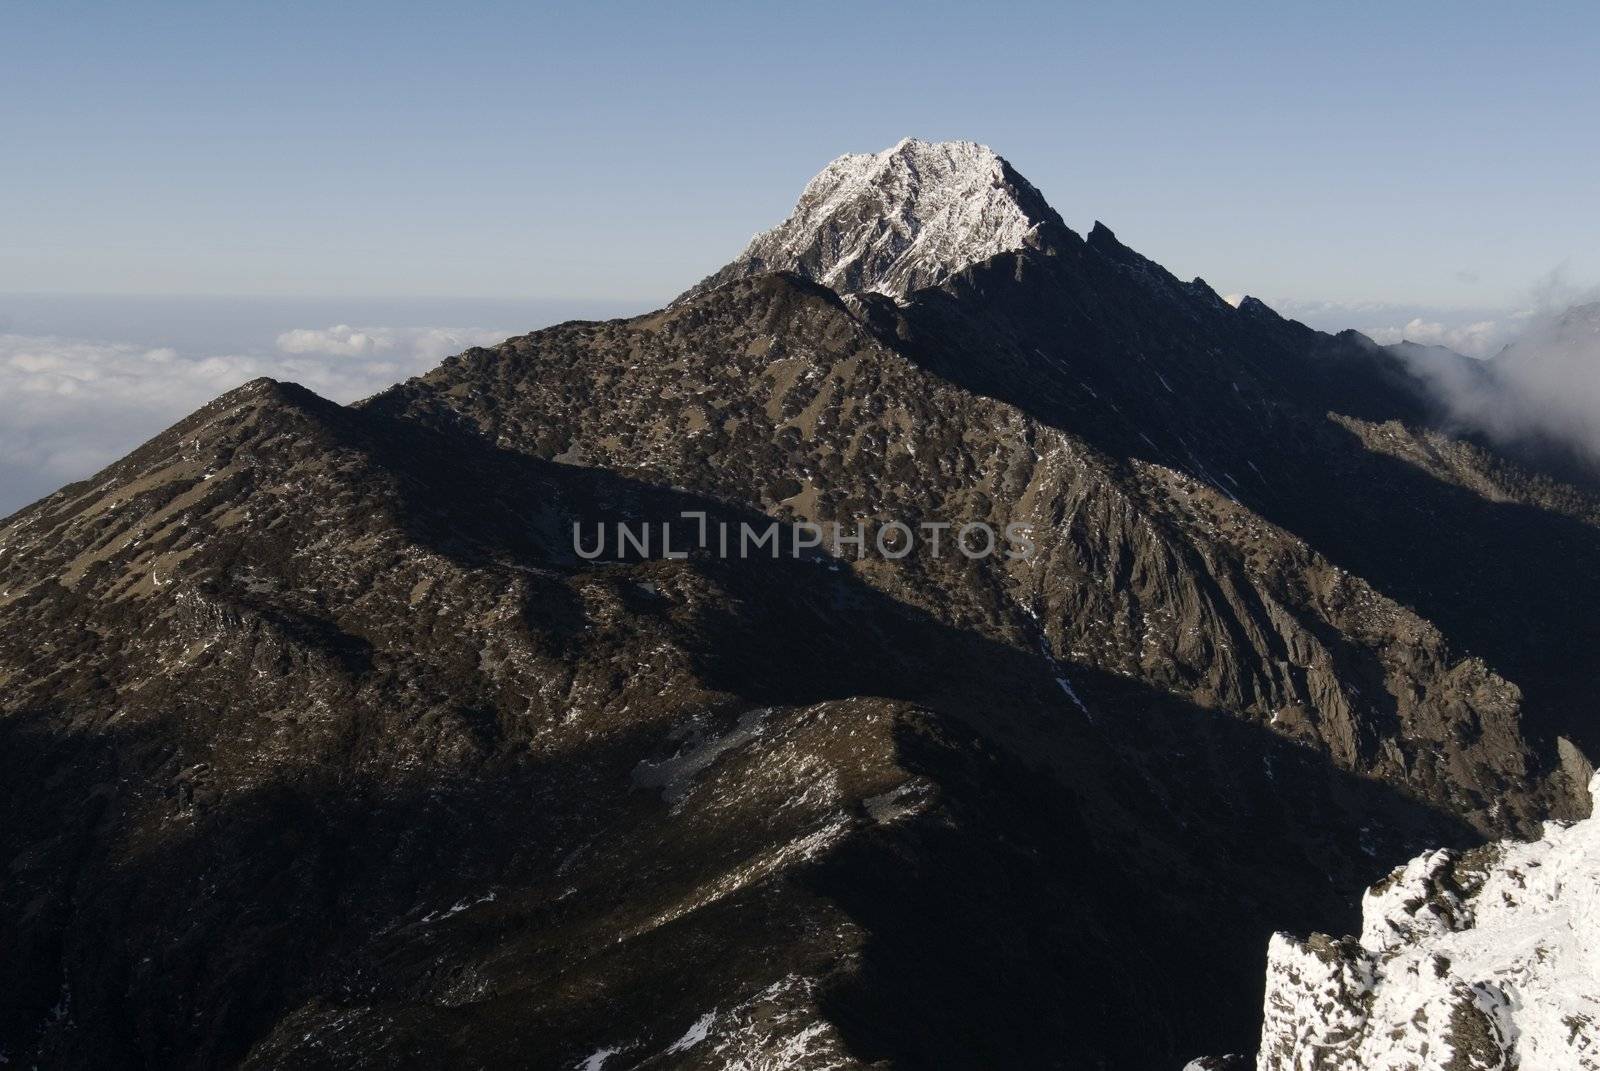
[(322, 746), (1483, 959), (896, 221)]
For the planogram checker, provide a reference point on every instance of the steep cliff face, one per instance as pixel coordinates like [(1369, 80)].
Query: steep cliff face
[(1482, 959), (324, 746)]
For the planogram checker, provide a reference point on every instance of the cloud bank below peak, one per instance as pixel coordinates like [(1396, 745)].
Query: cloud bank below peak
[(1543, 386), (406, 343), (81, 403), (1537, 379)]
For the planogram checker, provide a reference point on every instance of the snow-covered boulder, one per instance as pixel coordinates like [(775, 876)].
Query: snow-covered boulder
[(1467, 961)]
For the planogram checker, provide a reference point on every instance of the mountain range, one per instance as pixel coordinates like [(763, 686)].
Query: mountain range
[(323, 745)]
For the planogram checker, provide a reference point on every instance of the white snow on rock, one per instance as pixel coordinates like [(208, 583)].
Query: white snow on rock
[(694, 1035), (776, 1029), (1487, 959), (596, 1061), (895, 221)]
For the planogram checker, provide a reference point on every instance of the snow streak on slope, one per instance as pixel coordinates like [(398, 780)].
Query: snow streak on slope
[(1485, 959), (894, 221)]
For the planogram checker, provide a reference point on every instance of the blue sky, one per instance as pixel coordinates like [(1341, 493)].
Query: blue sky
[(1437, 153), (1362, 165)]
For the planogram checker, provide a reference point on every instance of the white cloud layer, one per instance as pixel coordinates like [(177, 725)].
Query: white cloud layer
[(72, 406), (421, 343)]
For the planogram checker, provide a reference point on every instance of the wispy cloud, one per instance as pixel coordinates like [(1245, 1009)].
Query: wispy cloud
[(1543, 385), (1543, 379)]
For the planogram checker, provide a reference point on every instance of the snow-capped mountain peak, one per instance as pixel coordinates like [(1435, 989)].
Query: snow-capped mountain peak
[(898, 220)]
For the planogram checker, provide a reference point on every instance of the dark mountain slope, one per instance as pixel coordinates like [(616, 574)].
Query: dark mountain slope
[(1329, 437), (369, 790)]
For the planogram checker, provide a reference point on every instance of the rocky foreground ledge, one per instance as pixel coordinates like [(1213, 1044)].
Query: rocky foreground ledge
[(1483, 959)]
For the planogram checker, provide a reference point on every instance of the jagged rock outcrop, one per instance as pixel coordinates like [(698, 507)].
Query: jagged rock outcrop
[(324, 746), (1482, 959)]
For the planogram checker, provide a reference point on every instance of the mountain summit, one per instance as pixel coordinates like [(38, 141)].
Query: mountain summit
[(899, 220)]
